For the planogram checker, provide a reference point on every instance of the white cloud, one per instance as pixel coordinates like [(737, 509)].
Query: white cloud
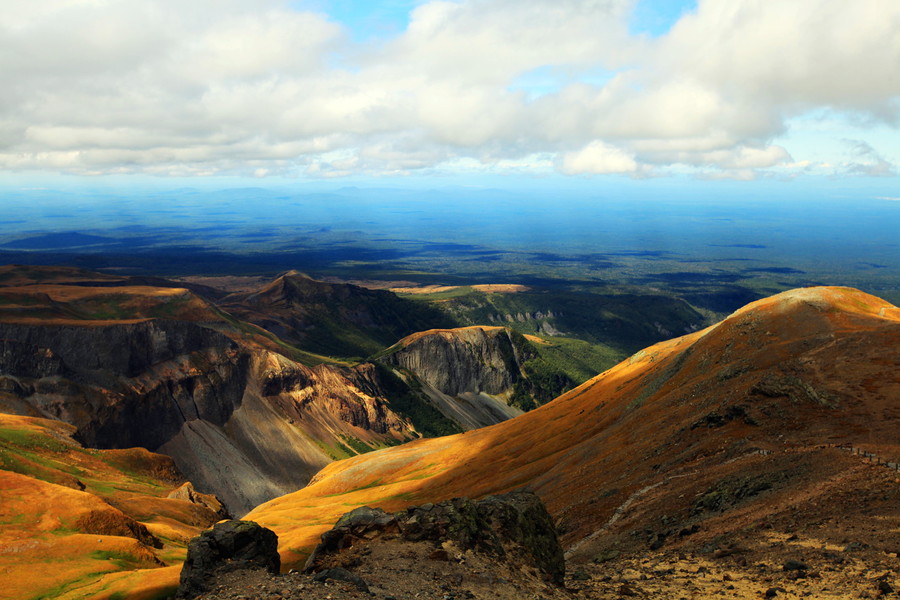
[(256, 87), (598, 158)]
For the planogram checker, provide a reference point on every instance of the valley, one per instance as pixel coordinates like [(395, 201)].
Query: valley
[(298, 400), (450, 300)]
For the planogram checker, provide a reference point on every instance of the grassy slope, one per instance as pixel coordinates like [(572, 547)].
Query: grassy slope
[(69, 516), (589, 450)]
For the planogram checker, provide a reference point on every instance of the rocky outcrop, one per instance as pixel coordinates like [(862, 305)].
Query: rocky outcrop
[(228, 546), (475, 376), (21, 359), (466, 360), (514, 527), (241, 422), (187, 493)]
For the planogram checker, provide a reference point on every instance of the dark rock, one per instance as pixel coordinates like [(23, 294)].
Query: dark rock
[(774, 591), (795, 565), (339, 574), (855, 546), (229, 546), (28, 360), (439, 554), (884, 587), (508, 526)]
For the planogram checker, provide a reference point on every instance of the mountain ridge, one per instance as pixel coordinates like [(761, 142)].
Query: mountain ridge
[(692, 382)]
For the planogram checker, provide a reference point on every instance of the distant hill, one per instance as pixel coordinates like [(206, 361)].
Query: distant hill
[(334, 319), (623, 323)]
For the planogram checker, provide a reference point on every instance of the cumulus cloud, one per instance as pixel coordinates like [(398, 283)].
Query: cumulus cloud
[(598, 158), (258, 87)]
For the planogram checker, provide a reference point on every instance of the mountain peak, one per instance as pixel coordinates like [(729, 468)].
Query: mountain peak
[(846, 300)]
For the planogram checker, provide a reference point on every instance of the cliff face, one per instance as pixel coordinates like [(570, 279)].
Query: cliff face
[(467, 360), (240, 421), (475, 376)]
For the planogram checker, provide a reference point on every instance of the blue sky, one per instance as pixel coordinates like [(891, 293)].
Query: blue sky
[(451, 92)]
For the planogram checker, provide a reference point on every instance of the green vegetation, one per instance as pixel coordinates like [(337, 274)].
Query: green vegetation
[(122, 560), (335, 452), (623, 323), (338, 320), (577, 359), (408, 401), (358, 446), (248, 330)]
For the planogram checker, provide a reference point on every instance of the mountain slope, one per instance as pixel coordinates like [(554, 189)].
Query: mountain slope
[(163, 369), (735, 423), (623, 323), (333, 319), (72, 516)]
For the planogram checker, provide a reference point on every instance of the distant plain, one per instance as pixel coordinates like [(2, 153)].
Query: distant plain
[(717, 254)]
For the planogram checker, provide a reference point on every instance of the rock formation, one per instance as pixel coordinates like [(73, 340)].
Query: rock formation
[(474, 375), (242, 420), (228, 546), (187, 493), (513, 528)]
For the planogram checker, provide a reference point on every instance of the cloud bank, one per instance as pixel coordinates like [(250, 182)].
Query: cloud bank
[(260, 87)]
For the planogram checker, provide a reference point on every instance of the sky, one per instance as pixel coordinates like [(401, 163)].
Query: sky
[(451, 92)]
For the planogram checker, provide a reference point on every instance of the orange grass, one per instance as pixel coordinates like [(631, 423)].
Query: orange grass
[(586, 451)]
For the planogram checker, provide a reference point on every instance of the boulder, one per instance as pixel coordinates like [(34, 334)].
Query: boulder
[(513, 527), (228, 546)]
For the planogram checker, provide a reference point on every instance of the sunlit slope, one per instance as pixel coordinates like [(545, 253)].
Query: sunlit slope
[(806, 369), (71, 516)]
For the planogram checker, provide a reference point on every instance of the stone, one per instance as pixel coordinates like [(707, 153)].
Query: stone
[(189, 493), (228, 546), (795, 565), (340, 574), (505, 526)]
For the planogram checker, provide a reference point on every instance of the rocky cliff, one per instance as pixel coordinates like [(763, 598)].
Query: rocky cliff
[(476, 376), (240, 420), (466, 360)]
